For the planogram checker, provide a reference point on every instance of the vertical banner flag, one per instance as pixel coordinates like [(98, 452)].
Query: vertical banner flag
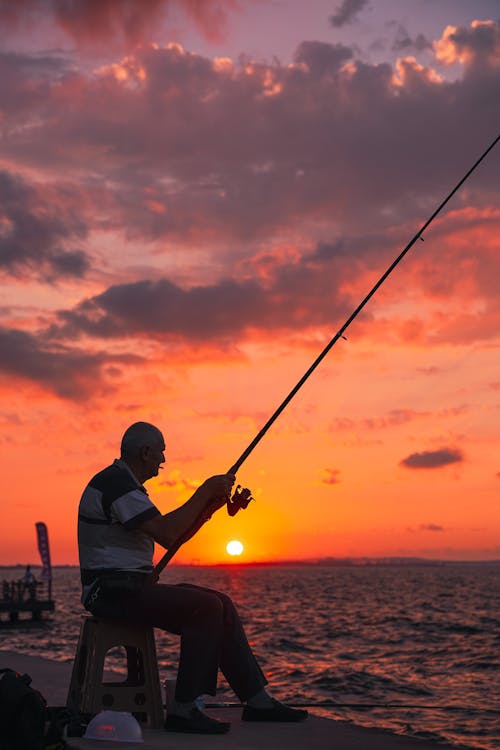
[(43, 548)]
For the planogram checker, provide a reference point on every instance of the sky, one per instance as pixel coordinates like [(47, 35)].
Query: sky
[(194, 197)]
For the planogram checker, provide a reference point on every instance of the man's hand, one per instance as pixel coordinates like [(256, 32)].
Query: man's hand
[(217, 490)]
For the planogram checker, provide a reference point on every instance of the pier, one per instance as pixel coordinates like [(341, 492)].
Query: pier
[(52, 678), (19, 597)]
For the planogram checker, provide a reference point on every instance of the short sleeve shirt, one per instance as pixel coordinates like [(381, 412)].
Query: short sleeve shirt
[(113, 506)]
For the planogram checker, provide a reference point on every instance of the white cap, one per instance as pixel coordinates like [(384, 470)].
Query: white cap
[(116, 726)]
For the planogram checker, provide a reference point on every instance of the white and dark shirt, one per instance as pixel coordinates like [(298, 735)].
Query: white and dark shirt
[(113, 505)]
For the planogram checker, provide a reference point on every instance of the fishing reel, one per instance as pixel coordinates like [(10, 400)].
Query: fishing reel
[(239, 501)]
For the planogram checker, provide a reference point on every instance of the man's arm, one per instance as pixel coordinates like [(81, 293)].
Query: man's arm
[(186, 520)]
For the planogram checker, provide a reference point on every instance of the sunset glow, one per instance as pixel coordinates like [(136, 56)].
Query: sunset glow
[(191, 206)]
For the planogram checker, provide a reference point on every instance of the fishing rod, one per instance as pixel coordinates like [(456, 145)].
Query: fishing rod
[(242, 497)]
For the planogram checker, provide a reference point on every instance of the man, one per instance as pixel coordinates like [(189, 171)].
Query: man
[(29, 583), (117, 527)]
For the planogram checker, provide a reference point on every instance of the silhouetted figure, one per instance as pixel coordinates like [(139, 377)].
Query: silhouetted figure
[(6, 590), (117, 527), (29, 583)]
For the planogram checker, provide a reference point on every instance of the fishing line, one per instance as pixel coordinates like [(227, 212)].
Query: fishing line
[(333, 704), (239, 501)]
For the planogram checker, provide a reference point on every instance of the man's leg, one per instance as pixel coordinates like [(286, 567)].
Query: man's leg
[(237, 661), (240, 668), (197, 617), (212, 637)]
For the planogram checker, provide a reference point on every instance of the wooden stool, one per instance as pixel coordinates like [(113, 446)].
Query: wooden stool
[(139, 693)]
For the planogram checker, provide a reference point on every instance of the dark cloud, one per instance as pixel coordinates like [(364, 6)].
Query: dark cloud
[(322, 58), (394, 418), (219, 311), (37, 231), (189, 147), (433, 459), (298, 141), (26, 81), (328, 250), (99, 23), (162, 308), (184, 151), (405, 43), (347, 12), (431, 527), (65, 371)]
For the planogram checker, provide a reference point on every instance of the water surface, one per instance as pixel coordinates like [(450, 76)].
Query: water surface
[(423, 637)]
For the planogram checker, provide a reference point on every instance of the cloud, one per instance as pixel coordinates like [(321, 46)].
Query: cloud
[(325, 138), (306, 142), (433, 459), (26, 82), (331, 476), (67, 372), (394, 418), (175, 481), (38, 231), (477, 44), (322, 58), (404, 43), (117, 22), (430, 527), (176, 153), (221, 311), (347, 12)]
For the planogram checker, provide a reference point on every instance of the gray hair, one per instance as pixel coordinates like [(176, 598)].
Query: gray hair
[(138, 436)]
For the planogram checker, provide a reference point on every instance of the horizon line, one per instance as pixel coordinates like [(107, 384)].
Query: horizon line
[(307, 562)]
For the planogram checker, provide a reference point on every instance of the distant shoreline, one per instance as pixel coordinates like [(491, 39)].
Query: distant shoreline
[(330, 562)]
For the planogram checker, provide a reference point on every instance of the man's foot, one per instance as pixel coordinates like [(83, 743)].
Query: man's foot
[(196, 723), (278, 712)]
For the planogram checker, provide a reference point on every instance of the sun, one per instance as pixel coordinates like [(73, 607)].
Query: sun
[(234, 548)]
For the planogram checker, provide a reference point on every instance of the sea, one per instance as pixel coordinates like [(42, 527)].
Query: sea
[(413, 648)]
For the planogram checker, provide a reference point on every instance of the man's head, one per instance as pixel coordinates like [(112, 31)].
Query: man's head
[(142, 448)]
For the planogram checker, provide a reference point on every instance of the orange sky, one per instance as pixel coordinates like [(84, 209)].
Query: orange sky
[(182, 232)]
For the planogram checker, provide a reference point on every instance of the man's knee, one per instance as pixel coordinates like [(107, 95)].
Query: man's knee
[(209, 610), (228, 604)]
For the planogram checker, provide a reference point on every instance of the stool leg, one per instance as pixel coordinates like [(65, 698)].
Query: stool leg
[(135, 666), (152, 678), (80, 668)]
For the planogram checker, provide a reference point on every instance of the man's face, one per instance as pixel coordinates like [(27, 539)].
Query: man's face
[(153, 456)]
